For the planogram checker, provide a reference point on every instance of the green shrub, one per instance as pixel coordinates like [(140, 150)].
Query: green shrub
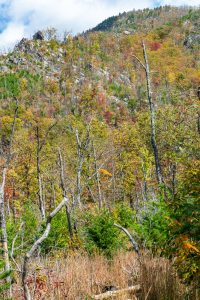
[(3, 275), (59, 234), (153, 228), (100, 233), (185, 229), (124, 215)]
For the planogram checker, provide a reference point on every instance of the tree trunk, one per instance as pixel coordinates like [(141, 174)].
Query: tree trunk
[(35, 246), (97, 177), (153, 118), (133, 242), (4, 237), (62, 180), (3, 230), (39, 177)]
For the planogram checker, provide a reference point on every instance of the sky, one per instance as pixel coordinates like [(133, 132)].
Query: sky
[(21, 18)]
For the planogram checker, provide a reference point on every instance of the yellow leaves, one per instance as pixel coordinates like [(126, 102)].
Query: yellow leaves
[(171, 77), (133, 76), (12, 173), (105, 172), (52, 86), (7, 122), (18, 205), (23, 84), (29, 115)]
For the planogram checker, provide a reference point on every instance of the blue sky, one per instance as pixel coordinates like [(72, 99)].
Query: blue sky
[(21, 18)]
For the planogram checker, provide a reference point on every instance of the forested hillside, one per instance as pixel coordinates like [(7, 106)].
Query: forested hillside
[(99, 158)]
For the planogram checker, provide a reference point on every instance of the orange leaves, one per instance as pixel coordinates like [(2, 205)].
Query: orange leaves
[(105, 172), (189, 246)]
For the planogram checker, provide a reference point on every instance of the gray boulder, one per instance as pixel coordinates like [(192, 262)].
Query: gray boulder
[(38, 36)]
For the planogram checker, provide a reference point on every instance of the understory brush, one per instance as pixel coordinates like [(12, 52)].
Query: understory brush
[(79, 276)]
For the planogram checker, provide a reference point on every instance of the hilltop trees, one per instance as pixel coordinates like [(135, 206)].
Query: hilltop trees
[(94, 127)]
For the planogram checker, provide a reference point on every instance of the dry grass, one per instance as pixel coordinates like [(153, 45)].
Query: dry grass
[(79, 276), (159, 280)]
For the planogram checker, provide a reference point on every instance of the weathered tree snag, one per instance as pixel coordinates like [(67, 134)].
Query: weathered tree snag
[(4, 237), (29, 254), (39, 177), (97, 177), (7, 155), (153, 118), (133, 242), (40, 145), (145, 66), (81, 148), (62, 180), (79, 168)]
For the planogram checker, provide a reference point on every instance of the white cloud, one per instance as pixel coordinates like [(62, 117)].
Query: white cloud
[(27, 16), (181, 2), (12, 33)]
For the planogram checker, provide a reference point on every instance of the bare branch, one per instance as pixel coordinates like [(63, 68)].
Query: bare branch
[(13, 247), (141, 63), (62, 177), (46, 135), (12, 134), (36, 245), (133, 242)]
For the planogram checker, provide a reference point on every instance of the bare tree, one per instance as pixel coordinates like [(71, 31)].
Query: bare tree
[(82, 147), (97, 177), (146, 67), (62, 180), (37, 243), (133, 242), (40, 145), (6, 153)]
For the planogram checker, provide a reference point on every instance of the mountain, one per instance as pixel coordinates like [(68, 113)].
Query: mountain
[(105, 124), (160, 18), (148, 19)]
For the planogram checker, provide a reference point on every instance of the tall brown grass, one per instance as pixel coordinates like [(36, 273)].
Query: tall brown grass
[(79, 276)]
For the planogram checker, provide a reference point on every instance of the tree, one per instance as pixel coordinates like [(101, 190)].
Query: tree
[(152, 114), (6, 154)]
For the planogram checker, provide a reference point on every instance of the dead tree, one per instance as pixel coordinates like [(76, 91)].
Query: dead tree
[(82, 147), (145, 65), (39, 147), (97, 177), (133, 242), (6, 153), (62, 182), (38, 242)]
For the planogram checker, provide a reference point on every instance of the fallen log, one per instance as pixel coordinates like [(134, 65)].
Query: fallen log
[(118, 293)]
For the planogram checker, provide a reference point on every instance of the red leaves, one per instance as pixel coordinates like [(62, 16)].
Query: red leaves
[(154, 46)]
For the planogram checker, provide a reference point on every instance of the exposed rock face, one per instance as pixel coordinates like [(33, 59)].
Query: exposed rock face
[(38, 36), (4, 69), (192, 40), (23, 46)]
